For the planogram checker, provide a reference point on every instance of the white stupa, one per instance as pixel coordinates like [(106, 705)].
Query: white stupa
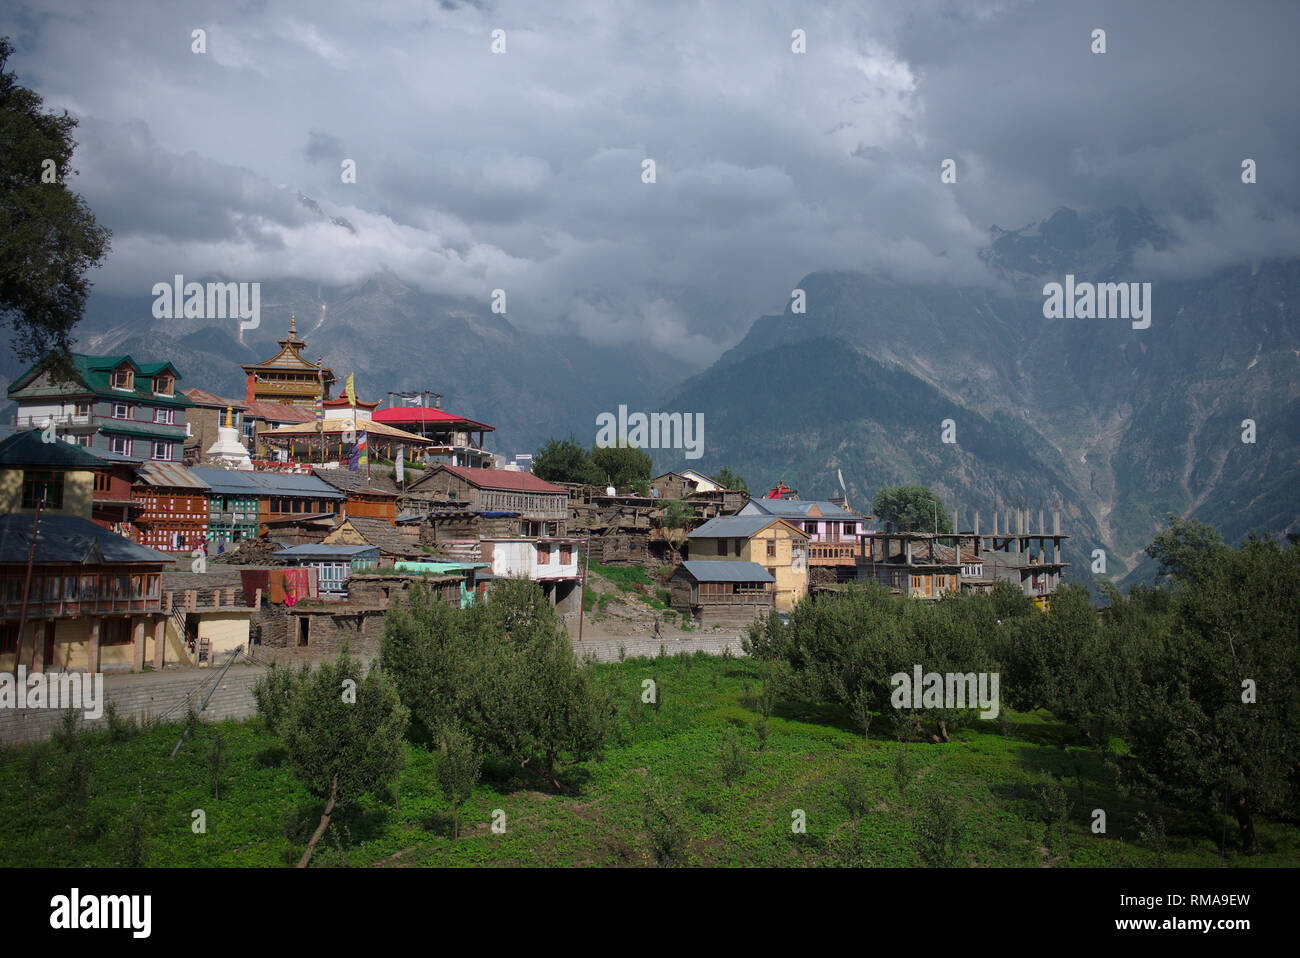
[(228, 452)]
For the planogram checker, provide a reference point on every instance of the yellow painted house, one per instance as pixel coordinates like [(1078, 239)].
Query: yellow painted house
[(768, 541), (57, 474)]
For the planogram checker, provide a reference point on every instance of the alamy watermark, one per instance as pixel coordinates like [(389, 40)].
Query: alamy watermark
[(947, 690), (1098, 301), (77, 911), (182, 300), (60, 690), (656, 430)]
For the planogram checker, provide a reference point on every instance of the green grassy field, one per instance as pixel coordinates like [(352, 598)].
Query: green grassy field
[(989, 774)]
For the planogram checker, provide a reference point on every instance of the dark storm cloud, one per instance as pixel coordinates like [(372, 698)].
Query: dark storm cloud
[(524, 170)]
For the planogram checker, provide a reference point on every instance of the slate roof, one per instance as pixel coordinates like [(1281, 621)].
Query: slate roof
[(26, 450), (505, 480), (320, 550), (201, 397), (378, 532), (735, 527), (381, 483), (227, 482), (722, 571), (69, 540)]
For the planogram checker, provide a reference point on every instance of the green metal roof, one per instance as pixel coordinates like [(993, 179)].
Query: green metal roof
[(154, 430), (95, 373)]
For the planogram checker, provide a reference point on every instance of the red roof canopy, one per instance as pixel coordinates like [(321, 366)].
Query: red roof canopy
[(403, 415)]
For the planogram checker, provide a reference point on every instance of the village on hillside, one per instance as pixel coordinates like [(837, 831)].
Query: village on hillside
[(174, 527)]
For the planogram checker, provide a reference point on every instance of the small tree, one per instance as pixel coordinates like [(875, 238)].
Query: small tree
[(677, 517), (458, 772), (731, 480), (731, 758), (663, 817), (937, 830), (853, 791), (345, 735), (218, 759), (133, 841), (902, 770), (565, 460), (1054, 812)]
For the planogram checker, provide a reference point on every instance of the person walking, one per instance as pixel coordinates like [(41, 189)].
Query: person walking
[(657, 634)]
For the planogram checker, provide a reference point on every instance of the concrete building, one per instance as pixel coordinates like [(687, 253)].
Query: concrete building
[(108, 402)]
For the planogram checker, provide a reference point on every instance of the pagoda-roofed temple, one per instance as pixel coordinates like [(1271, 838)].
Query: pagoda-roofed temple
[(286, 377)]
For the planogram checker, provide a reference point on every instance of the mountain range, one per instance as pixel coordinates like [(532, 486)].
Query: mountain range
[(1121, 426)]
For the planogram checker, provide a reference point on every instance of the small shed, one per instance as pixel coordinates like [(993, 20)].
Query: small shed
[(333, 563), (714, 592)]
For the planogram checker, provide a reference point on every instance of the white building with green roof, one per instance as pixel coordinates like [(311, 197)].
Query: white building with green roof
[(110, 403)]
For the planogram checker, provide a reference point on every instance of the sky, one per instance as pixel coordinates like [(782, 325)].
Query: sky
[(523, 170)]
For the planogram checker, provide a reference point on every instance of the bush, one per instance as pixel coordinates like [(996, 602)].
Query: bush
[(663, 815), (937, 830)]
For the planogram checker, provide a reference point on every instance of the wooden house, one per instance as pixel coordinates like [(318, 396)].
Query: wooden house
[(725, 593), (771, 542)]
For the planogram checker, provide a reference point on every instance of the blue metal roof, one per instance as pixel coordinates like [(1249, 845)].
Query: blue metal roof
[(732, 527), (705, 570), (236, 482), (798, 509)]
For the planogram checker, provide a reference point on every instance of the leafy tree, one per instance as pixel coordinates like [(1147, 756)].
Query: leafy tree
[(274, 693), (341, 748), (853, 791), (678, 515), (731, 480), (731, 758), (1185, 549), (623, 465), (663, 816), (48, 236), (565, 460), (1215, 721), (913, 509), (504, 670), (937, 830), (458, 771)]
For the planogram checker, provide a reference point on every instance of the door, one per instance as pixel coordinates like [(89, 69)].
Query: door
[(48, 655)]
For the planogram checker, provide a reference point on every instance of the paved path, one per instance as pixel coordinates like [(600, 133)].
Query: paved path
[(168, 695)]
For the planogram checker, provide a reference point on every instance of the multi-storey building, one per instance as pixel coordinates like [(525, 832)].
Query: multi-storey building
[(93, 603), (171, 507), (108, 402), (833, 531), (288, 378), (456, 441), (770, 542)]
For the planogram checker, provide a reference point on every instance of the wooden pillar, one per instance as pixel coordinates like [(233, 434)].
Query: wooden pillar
[(38, 653), (137, 644), (92, 654), (159, 642)]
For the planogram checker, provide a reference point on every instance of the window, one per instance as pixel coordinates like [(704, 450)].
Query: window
[(736, 548), (121, 410), (102, 480), (115, 632), (123, 378), (566, 554), (167, 416), (771, 571), (42, 487), (162, 385), (83, 408), (916, 582), (120, 444), (543, 554), (162, 450), (8, 637), (771, 548)]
